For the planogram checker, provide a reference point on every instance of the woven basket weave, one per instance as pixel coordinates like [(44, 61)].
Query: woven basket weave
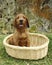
[(37, 50)]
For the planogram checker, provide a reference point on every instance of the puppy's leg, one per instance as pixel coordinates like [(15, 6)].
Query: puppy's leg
[(28, 43), (10, 40)]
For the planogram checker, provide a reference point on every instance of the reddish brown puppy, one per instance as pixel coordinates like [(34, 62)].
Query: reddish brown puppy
[(20, 37)]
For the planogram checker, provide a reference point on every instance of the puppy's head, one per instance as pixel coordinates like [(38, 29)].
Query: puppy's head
[(21, 21)]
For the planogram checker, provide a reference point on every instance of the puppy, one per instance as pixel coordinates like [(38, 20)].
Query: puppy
[(20, 37)]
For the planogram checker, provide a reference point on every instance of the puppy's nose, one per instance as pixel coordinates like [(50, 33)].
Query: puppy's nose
[(21, 21)]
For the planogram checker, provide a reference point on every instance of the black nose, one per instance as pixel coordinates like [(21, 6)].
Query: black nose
[(21, 21)]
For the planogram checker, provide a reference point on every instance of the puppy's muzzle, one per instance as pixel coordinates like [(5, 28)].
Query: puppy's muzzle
[(21, 22)]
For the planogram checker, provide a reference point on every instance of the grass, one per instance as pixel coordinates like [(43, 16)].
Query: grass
[(5, 59)]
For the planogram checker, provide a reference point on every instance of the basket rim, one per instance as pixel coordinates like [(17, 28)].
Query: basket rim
[(26, 48)]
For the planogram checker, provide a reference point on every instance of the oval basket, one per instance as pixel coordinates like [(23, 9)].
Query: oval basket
[(37, 50)]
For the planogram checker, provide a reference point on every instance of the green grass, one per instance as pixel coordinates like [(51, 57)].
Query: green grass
[(5, 59)]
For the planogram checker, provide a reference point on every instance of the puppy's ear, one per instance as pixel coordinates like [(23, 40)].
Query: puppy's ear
[(14, 23), (27, 23)]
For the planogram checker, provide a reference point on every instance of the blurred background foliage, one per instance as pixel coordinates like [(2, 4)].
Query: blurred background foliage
[(39, 13)]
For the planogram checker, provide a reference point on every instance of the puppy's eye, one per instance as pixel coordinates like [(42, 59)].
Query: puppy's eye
[(24, 17), (18, 17)]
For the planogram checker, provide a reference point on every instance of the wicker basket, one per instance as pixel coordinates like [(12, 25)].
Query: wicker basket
[(37, 50)]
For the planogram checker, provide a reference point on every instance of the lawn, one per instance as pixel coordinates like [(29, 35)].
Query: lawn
[(5, 59)]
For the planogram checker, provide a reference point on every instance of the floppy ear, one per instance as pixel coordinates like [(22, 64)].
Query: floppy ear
[(27, 23), (14, 23)]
